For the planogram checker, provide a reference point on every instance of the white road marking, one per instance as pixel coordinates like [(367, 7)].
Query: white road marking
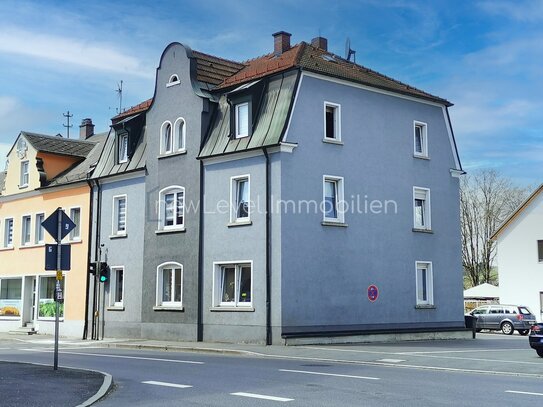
[(524, 392), (459, 351), (329, 374), (390, 360), (119, 356), (261, 396), (478, 359), (179, 386)]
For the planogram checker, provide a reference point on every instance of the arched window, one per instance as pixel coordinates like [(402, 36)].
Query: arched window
[(169, 285), (172, 208), (166, 139), (180, 132), (174, 80)]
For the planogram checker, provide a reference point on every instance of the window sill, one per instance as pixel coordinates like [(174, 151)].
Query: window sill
[(423, 230), (240, 223), (23, 186), (332, 141), (332, 223), (32, 246), (115, 308), (232, 309), (175, 153), (10, 318), (422, 157), (169, 85), (75, 241), (174, 309), (119, 236), (4, 249), (50, 319), (425, 306), (167, 231), (122, 162)]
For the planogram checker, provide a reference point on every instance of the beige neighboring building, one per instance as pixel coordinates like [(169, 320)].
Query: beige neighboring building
[(42, 174)]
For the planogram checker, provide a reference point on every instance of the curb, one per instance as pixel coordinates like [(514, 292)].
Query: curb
[(236, 352), (102, 391)]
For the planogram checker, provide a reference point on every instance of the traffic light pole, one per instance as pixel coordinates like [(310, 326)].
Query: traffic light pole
[(59, 273)]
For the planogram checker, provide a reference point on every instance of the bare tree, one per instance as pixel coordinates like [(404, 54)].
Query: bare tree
[(486, 199)]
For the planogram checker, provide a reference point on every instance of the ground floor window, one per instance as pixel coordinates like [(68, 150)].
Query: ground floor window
[(233, 285), (117, 286), (47, 304), (424, 280), (170, 285), (11, 297)]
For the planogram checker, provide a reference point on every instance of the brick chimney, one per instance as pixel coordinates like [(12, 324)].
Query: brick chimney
[(86, 129), (281, 42), (320, 42)]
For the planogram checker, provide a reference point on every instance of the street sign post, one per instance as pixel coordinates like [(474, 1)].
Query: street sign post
[(57, 257)]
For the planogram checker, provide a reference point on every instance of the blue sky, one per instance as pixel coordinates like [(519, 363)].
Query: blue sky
[(484, 56)]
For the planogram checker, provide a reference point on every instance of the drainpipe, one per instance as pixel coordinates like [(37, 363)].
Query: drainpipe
[(268, 250), (199, 318), (96, 257), (89, 252)]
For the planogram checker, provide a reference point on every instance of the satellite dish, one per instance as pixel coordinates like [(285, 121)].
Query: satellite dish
[(348, 51)]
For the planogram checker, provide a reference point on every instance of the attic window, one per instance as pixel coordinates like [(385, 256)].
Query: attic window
[(328, 58), (242, 120), (174, 80)]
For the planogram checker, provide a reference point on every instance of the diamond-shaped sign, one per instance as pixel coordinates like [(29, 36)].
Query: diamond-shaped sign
[(51, 224)]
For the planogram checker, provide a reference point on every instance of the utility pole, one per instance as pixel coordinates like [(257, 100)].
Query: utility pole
[(67, 115)]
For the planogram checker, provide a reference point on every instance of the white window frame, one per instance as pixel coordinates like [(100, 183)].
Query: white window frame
[(6, 233), (173, 189), (122, 149), (429, 283), (26, 231), (169, 304), (163, 150), (174, 80), (424, 193), (14, 317), (71, 236), (113, 286), (340, 198), (38, 289), (177, 145), (424, 141), (115, 216), (38, 229), (217, 284), (236, 123), (234, 198), (24, 176), (337, 121)]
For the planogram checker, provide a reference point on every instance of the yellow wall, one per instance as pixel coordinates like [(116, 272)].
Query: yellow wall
[(13, 175), (30, 260)]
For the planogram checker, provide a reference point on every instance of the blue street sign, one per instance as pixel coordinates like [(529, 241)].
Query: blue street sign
[(51, 224), (51, 257)]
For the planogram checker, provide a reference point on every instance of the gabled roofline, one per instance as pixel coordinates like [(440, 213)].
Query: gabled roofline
[(517, 212)]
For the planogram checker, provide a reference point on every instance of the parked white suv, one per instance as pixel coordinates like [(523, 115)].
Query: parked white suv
[(508, 318)]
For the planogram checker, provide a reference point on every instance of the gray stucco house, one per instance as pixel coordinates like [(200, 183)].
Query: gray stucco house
[(293, 196), (343, 197)]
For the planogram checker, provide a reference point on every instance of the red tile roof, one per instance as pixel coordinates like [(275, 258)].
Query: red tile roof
[(143, 106)]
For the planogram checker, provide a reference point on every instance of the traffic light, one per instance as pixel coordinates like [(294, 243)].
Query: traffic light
[(92, 268), (104, 272)]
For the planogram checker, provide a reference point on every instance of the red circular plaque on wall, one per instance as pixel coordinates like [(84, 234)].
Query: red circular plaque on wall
[(373, 293)]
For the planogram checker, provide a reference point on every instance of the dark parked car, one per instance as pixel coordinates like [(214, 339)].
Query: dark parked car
[(536, 338), (508, 318)]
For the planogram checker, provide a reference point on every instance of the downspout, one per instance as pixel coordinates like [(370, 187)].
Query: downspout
[(96, 255), (268, 250), (199, 318), (89, 252)]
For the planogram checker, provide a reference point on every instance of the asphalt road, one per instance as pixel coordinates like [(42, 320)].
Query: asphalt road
[(159, 378)]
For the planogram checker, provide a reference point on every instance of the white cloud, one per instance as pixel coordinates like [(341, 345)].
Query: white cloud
[(526, 11), (65, 50)]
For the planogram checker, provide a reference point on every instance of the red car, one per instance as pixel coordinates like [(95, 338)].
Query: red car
[(536, 338)]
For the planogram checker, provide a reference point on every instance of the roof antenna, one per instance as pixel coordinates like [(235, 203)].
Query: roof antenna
[(349, 51), (120, 94), (68, 126)]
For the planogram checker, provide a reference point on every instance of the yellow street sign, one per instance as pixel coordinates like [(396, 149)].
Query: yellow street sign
[(59, 275)]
